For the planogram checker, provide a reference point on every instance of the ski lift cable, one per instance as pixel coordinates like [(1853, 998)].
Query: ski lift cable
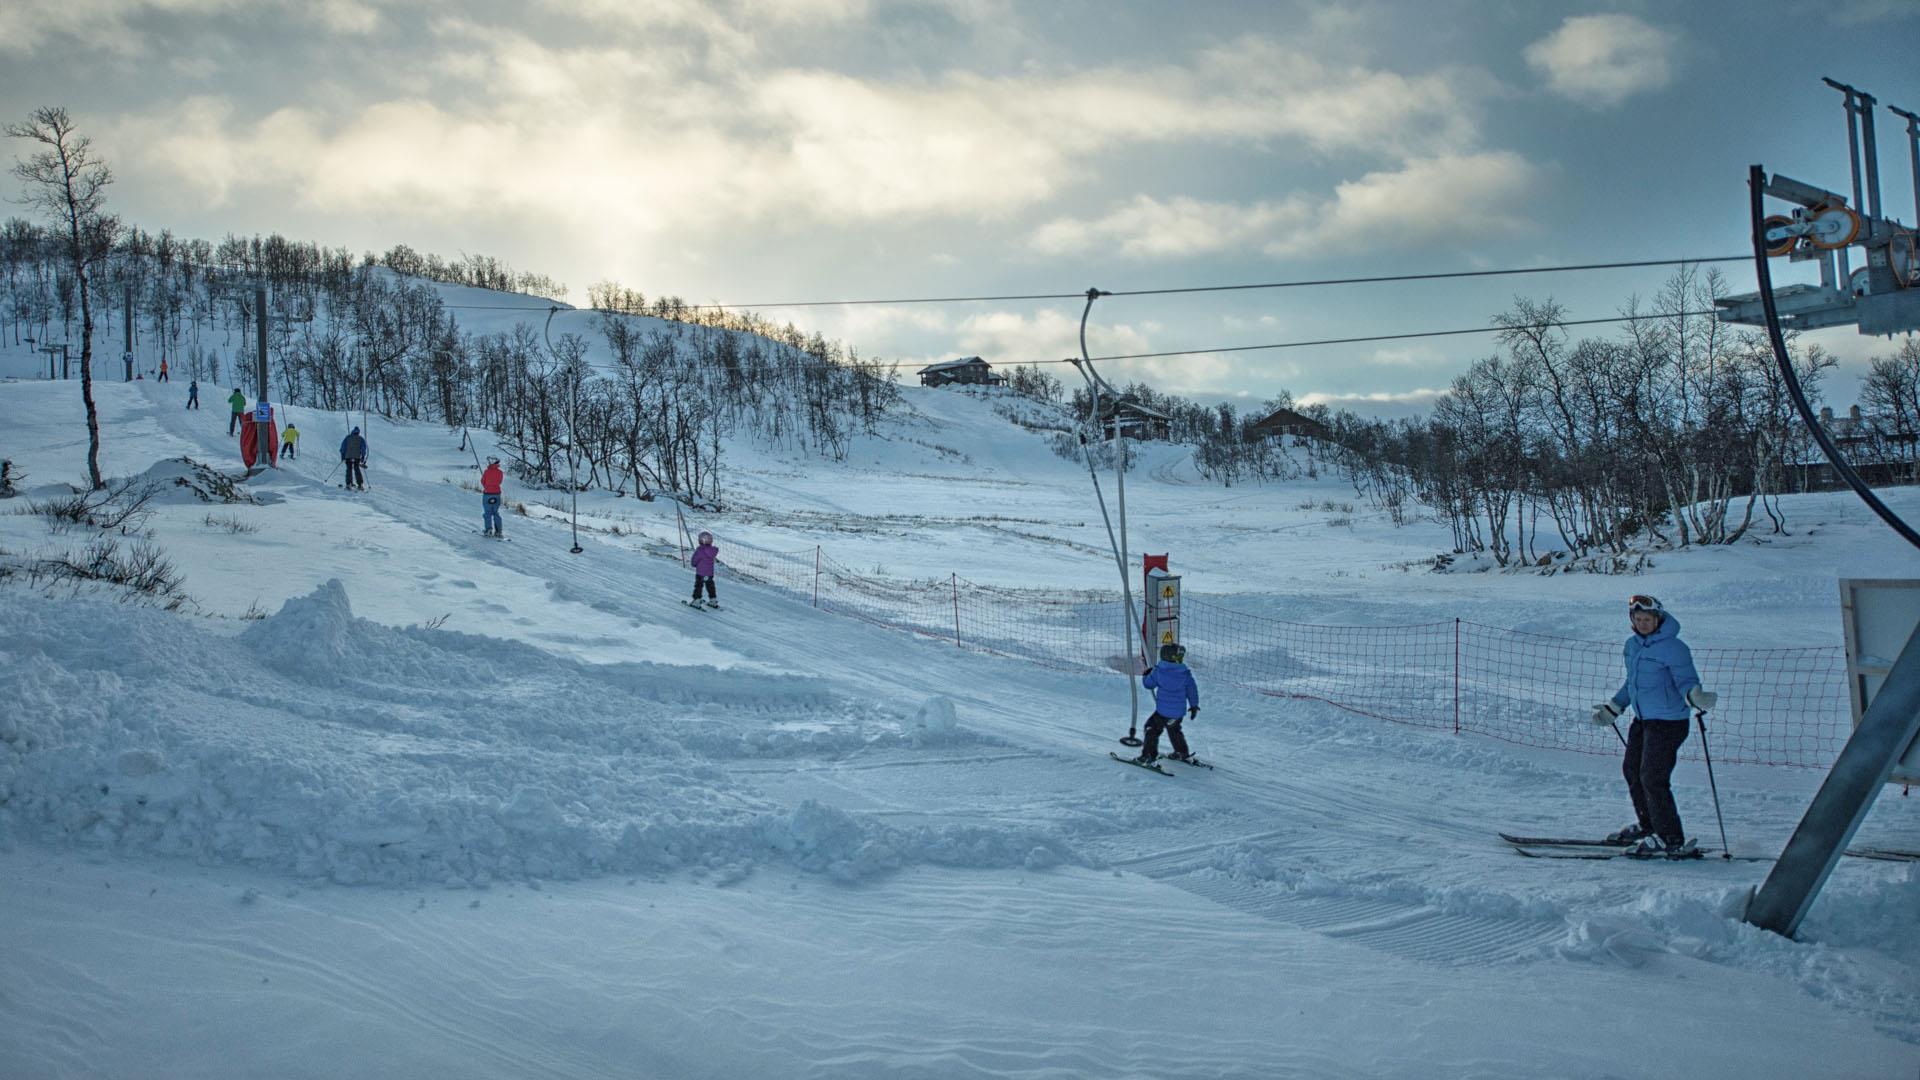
[(1388, 337), (1305, 283), (1756, 181), (1339, 341)]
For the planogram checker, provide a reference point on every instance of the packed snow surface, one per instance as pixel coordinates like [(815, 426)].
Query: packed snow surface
[(387, 798)]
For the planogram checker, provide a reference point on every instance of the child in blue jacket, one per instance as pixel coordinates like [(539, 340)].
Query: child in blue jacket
[(1174, 693)]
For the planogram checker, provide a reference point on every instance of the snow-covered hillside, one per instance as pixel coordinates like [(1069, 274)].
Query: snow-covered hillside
[(459, 807)]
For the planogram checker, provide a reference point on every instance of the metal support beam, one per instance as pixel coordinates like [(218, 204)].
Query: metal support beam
[(262, 432), (1865, 763), (126, 355), (1913, 155), (1871, 153), (1853, 136)]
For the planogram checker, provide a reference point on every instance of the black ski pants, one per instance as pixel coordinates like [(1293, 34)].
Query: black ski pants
[(233, 422), (1155, 725), (356, 473), (1653, 746), (700, 580)]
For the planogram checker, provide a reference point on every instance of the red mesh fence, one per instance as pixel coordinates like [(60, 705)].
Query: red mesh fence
[(1777, 706)]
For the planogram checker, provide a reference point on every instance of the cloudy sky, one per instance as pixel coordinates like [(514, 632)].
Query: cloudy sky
[(765, 151)]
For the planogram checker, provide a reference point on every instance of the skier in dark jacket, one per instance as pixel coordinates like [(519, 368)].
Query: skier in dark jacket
[(1661, 686), (1174, 693), (703, 560), (193, 394), (353, 452)]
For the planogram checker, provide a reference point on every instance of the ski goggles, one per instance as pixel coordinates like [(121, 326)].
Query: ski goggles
[(1645, 603)]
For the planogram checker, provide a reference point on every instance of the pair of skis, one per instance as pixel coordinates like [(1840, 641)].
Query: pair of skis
[(698, 605), (1549, 847), (1554, 847), (1154, 765)]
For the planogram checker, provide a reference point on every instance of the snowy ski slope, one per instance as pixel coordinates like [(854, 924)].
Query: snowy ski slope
[(580, 830)]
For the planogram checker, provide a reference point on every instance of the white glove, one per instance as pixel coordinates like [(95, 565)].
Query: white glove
[(1604, 713), (1704, 700)]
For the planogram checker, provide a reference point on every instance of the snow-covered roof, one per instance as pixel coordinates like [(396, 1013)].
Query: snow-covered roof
[(949, 365)]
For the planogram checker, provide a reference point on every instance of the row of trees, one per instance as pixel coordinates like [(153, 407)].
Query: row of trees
[(1680, 429), (1889, 432), (641, 402)]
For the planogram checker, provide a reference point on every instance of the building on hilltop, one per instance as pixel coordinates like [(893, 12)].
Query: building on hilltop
[(970, 371), (1878, 455), (1124, 416), (1284, 422)]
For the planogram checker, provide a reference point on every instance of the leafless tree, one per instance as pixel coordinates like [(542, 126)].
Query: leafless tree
[(67, 182)]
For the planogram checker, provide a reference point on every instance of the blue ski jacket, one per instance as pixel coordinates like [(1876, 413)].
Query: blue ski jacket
[(1659, 673), (1173, 689)]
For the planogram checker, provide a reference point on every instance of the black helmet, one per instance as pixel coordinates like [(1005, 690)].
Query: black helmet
[(1173, 653)]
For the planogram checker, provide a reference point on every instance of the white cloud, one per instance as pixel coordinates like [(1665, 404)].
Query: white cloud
[(115, 26), (1426, 200), (27, 25), (1049, 334), (348, 16), (1601, 60), (1149, 228), (663, 124), (1407, 357), (1400, 403)]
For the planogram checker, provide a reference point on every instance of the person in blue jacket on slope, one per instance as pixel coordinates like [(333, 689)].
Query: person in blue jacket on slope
[(1174, 693), (1661, 686)]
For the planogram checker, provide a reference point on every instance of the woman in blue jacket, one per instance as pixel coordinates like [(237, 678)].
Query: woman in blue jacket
[(1174, 693), (1661, 686)]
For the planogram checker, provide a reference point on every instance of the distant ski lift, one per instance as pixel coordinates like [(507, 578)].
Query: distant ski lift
[(1881, 297)]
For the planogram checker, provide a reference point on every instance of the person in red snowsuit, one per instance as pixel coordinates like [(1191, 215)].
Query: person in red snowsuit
[(490, 498)]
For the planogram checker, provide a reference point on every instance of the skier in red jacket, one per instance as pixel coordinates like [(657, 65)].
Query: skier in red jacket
[(490, 498)]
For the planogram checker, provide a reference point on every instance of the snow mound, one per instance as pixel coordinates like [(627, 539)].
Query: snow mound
[(184, 480), (325, 746)]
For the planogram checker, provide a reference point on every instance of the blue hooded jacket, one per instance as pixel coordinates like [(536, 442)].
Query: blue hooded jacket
[(1659, 673), (1173, 689)]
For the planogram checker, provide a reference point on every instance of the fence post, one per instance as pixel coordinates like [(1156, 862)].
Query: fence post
[(1456, 676), (816, 575), (955, 580)]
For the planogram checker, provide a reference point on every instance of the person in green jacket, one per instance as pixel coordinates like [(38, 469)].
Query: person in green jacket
[(238, 402)]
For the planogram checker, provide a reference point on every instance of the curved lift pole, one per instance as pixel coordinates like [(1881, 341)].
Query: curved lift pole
[(1095, 384), (1890, 722)]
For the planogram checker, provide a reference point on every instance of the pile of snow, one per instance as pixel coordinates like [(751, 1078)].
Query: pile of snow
[(328, 746)]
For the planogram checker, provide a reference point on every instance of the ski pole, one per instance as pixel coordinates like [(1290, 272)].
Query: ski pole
[(1615, 725), (335, 469), (1132, 739), (1700, 717)]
